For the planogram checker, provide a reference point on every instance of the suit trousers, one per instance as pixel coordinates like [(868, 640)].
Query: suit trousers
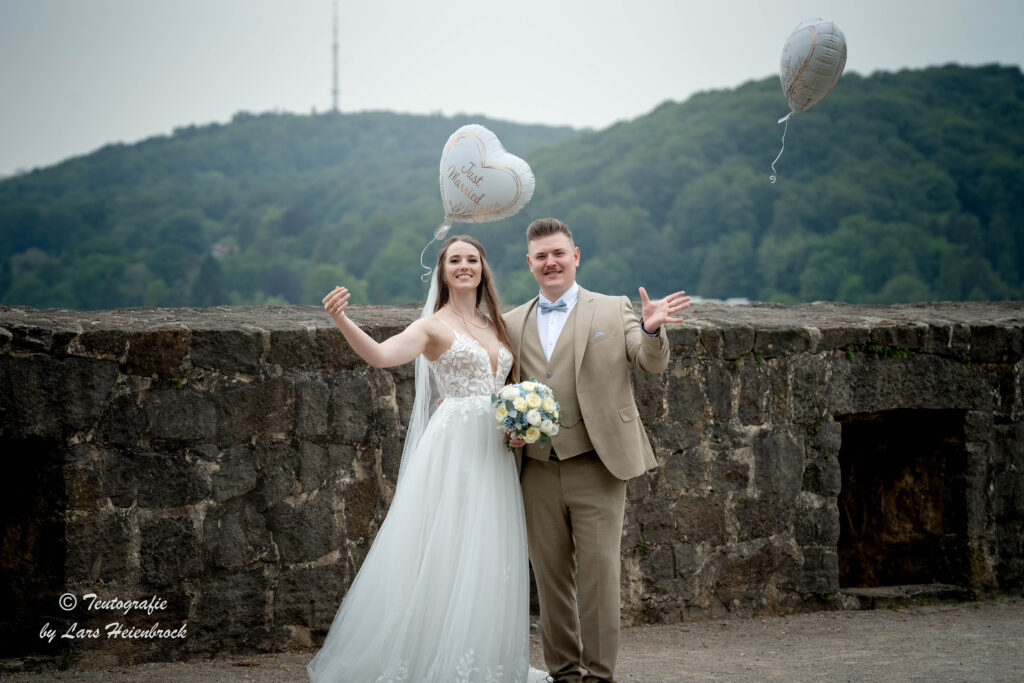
[(574, 510)]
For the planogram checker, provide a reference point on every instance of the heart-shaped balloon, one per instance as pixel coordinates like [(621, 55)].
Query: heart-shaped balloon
[(480, 181), (813, 59)]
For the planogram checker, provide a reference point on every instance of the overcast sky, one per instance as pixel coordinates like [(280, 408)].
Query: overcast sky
[(78, 74)]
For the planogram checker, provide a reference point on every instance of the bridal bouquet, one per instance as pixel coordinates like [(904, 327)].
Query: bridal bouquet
[(527, 410)]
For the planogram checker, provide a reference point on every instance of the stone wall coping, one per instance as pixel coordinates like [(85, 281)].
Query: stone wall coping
[(729, 331)]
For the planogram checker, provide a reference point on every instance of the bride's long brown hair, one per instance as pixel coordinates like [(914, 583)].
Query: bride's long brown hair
[(486, 293)]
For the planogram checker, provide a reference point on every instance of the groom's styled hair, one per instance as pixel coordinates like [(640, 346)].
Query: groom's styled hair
[(544, 227)]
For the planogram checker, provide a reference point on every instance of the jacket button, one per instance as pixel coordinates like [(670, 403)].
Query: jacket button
[(548, 373)]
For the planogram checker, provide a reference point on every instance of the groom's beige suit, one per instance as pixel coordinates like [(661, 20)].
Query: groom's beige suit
[(574, 488)]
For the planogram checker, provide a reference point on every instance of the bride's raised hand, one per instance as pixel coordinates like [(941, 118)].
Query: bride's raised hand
[(396, 350), (335, 303)]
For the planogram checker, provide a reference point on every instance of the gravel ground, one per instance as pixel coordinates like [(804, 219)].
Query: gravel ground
[(979, 641)]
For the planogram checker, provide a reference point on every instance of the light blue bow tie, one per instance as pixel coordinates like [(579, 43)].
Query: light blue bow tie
[(559, 305)]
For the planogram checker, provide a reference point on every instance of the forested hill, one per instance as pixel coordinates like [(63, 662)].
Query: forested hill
[(897, 187), (269, 208)]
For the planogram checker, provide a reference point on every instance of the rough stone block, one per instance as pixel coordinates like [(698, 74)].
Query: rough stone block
[(170, 551), (700, 519), (47, 335), (743, 573), (159, 352), (840, 336), (809, 387), (332, 352), (256, 411), (816, 525), (687, 400), (310, 596), (180, 415), (759, 518), (98, 548), (236, 473), (720, 391), (659, 568), (124, 422), (729, 474), (778, 465), (233, 606), (227, 351), (822, 473), (993, 343), (820, 571), (363, 509), (686, 470), (711, 341), (277, 465), (83, 482), (753, 394), (49, 397), (100, 343), (773, 342), (312, 466), (312, 400), (303, 532), (350, 399), (737, 341), (236, 537)]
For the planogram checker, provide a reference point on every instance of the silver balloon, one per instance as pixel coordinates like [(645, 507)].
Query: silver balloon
[(813, 59), (480, 181)]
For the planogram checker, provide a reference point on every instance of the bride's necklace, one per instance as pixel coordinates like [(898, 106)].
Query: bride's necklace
[(467, 323)]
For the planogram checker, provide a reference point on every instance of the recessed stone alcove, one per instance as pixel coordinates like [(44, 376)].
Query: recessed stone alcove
[(903, 503)]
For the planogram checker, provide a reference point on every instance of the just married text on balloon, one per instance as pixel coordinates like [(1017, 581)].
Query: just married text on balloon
[(480, 181), (464, 178)]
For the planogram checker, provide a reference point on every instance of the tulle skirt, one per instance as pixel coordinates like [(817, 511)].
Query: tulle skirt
[(443, 594)]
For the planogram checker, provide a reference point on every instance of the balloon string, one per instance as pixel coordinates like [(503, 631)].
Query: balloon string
[(771, 178), (425, 277)]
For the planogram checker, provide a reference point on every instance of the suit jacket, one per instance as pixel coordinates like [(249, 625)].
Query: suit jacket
[(608, 339)]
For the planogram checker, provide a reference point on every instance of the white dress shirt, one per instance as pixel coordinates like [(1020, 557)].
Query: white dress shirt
[(550, 324)]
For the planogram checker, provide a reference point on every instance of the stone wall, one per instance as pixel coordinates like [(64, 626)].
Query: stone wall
[(234, 465)]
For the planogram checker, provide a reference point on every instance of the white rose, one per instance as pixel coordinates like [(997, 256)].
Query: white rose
[(528, 386), (533, 400), (519, 403), (548, 404), (546, 426), (509, 393), (533, 417), (500, 411), (531, 435), (554, 430)]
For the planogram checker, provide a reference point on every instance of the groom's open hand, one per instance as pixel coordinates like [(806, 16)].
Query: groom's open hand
[(656, 313)]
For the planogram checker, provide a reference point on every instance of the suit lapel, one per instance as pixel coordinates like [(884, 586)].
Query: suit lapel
[(522, 328), (585, 309)]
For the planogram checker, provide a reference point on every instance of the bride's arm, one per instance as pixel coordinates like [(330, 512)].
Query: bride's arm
[(419, 337)]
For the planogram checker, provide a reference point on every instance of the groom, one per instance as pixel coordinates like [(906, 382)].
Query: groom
[(581, 344)]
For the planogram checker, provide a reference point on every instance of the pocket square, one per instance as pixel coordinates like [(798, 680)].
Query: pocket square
[(597, 334)]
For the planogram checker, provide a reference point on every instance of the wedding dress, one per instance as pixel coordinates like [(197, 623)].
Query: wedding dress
[(443, 593)]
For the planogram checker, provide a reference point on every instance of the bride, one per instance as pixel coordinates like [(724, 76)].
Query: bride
[(443, 592)]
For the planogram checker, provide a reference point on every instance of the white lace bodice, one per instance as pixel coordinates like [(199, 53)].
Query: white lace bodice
[(465, 369)]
